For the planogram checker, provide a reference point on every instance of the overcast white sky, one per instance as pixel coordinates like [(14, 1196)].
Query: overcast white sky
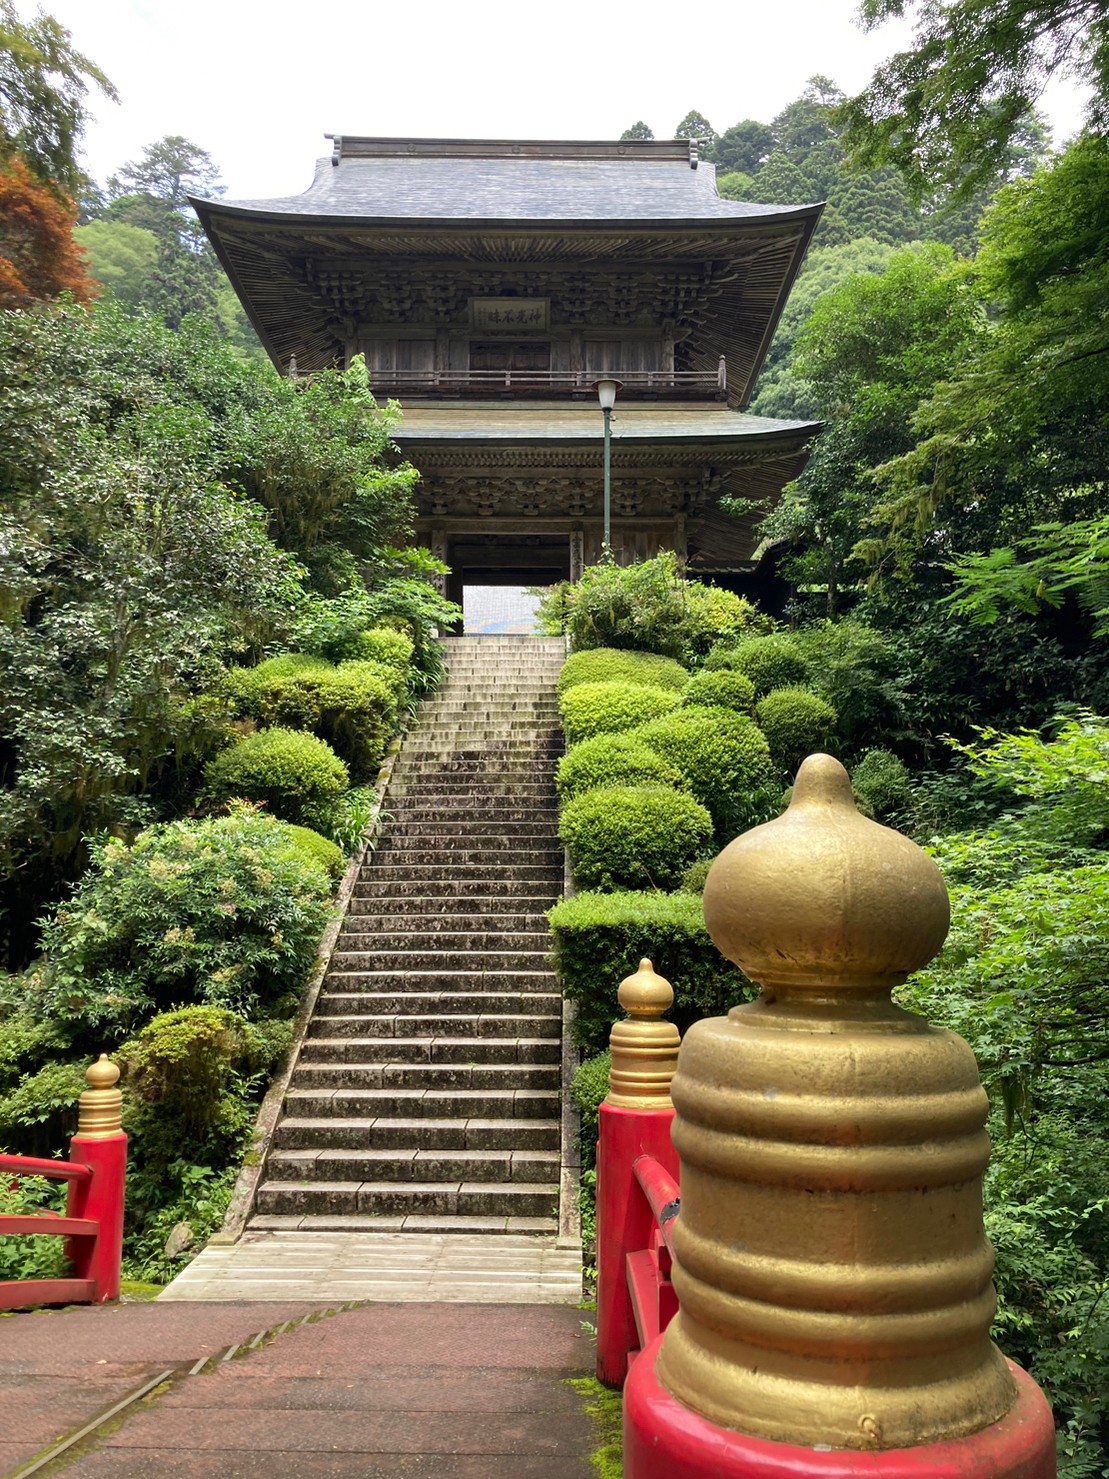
[(257, 84)]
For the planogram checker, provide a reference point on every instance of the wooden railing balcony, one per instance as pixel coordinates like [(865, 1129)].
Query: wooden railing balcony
[(575, 384)]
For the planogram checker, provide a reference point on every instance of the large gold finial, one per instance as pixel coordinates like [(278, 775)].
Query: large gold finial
[(644, 1048), (100, 1107), (831, 1263)]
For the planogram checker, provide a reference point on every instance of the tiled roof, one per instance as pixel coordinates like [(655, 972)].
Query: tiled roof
[(496, 422), (459, 180)]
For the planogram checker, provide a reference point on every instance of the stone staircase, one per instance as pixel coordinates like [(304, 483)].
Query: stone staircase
[(426, 1093)]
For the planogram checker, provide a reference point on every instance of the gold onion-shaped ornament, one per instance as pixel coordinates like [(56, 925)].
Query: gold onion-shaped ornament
[(831, 1263)]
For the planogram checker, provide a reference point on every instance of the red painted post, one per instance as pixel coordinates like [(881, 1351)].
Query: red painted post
[(101, 1145), (635, 1120), (625, 1224)]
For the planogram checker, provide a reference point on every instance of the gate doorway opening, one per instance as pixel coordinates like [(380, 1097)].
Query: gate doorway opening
[(491, 573)]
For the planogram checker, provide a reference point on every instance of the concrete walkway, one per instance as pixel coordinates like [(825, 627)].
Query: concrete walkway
[(250, 1390), (331, 1267)]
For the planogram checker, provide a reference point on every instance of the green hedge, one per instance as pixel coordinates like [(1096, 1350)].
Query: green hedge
[(610, 664), (613, 760), (882, 781), (628, 836), (609, 708), (724, 758), (601, 938), (319, 849), (285, 768), (353, 706), (720, 690), (796, 723), (773, 661)]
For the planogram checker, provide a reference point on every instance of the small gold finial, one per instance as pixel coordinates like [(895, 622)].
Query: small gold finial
[(100, 1107), (644, 1048)]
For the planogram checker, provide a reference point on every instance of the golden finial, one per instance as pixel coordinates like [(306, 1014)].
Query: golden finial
[(100, 1107), (831, 1264), (644, 1048)]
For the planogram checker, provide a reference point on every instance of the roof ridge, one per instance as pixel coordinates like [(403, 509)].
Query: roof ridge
[(357, 146)]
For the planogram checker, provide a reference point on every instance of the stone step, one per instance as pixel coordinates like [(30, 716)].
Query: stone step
[(420, 1103), (517, 892), (466, 963), (296, 1132), (493, 810), (473, 827), (539, 976), (509, 874), (415, 1002), (356, 940), (409, 1164), (473, 1050), (279, 1198), (437, 1076), (366, 916), (520, 882), (535, 851), (461, 1023)]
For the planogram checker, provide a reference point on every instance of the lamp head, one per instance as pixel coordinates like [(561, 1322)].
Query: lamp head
[(606, 392)]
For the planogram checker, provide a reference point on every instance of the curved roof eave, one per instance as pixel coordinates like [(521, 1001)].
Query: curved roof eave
[(673, 224)]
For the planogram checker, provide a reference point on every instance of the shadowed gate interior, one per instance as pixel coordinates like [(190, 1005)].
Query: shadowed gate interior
[(512, 560)]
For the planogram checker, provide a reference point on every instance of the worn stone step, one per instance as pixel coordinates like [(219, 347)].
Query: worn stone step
[(508, 872), (297, 1132), (411, 1164), (445, 893), (476, 982), (347, 963), (430, 1049), (437, 1076), (355, 939), (490, 852), (418, 1103), (350, 1005), (383, 1197), (477, 822), (464, 809), (366, 921), (471, 1023)]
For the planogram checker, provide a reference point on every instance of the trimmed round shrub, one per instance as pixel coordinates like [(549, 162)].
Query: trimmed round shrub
[(611, 665), (588, 1090), (796, 723), (882, 781), (285, 768), (319, 849), (720, 690), (693, 879), (613, 760), (770, 662), (383, 645), (609, 708), (620, 836), (723, 757), (353, 706), (226, 911)]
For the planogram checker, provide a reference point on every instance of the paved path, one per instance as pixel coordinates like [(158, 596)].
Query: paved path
[(330, 1267), (443, 1391)]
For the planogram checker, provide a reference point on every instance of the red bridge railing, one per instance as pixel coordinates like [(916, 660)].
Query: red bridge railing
[(653, 1300), (637, 1179), (93, 1220)]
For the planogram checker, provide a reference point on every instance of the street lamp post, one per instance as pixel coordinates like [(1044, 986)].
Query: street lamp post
[(606, 394)]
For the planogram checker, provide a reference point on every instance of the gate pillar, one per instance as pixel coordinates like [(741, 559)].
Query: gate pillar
[(830, 1261)]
